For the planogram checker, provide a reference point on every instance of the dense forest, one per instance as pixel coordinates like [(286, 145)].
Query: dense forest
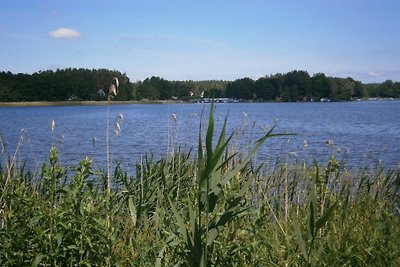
[(86, 84)]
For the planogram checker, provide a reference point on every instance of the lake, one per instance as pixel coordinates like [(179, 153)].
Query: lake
[(362, 134)]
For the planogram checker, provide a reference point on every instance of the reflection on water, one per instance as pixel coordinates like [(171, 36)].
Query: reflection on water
[(361, 133)]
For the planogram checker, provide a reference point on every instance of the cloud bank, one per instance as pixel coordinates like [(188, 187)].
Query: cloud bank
[(64, 33)]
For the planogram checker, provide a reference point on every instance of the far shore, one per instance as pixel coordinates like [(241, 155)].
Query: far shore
[(103, 103), (81, 103)]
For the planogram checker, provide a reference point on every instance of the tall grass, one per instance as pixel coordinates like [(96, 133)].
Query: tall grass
[(214, 208)]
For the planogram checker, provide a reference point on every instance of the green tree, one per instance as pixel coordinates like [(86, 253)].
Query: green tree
[(297, 85), (241, 88), (264, 89), (320, 86), (385, 89), (147, 90), (359, 90)]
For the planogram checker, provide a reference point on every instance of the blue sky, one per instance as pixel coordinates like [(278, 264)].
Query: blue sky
[(199, 40)]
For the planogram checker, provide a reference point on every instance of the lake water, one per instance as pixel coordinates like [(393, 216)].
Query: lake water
[(363, 134)]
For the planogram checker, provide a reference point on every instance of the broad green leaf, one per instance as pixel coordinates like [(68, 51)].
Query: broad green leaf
[(326, 216), (200, 160), (228, 215), (300, 239), (209, 138), (212, 235), (38, 259), (192, 216), (313, 207), (89, 241), (160, 256), (311, 220), (246, 186), (132, 210), (58, 237), (181, 224)]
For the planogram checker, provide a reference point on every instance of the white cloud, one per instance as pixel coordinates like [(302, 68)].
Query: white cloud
[(64, 33), (374, 74)]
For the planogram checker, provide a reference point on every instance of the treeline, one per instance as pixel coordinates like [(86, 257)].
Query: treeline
[(61, 85), (86, 84), (300, 86)]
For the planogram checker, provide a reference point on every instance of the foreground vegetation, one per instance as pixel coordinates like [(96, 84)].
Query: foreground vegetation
[(214, 208)]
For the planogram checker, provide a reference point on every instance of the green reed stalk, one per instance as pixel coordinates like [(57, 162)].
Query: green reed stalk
[(112, 92)]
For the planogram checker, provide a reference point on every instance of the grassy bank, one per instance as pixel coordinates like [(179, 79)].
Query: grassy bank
[(214, 208)]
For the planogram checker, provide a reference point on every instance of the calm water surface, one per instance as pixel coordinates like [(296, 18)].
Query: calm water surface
[(362, 133)]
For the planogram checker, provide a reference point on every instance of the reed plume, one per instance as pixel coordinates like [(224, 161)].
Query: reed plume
[(112, 92)]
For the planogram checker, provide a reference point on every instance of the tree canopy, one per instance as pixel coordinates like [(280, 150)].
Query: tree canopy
[(86, 84)]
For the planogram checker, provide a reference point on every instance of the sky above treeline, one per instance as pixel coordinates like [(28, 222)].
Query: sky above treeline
[(203, 40)]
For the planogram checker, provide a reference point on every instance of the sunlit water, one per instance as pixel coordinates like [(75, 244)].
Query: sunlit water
[(362, 134)]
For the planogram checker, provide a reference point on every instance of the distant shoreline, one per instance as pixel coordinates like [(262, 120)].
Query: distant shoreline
[(81, 103), (103, 103)]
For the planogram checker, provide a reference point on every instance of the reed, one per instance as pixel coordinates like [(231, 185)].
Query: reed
[(112, 92)]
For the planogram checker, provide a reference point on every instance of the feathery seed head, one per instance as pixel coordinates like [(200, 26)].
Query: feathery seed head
[(52, 126), (113, 89), (305, 144), (117, 130), (116, 82), (173, 116)]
